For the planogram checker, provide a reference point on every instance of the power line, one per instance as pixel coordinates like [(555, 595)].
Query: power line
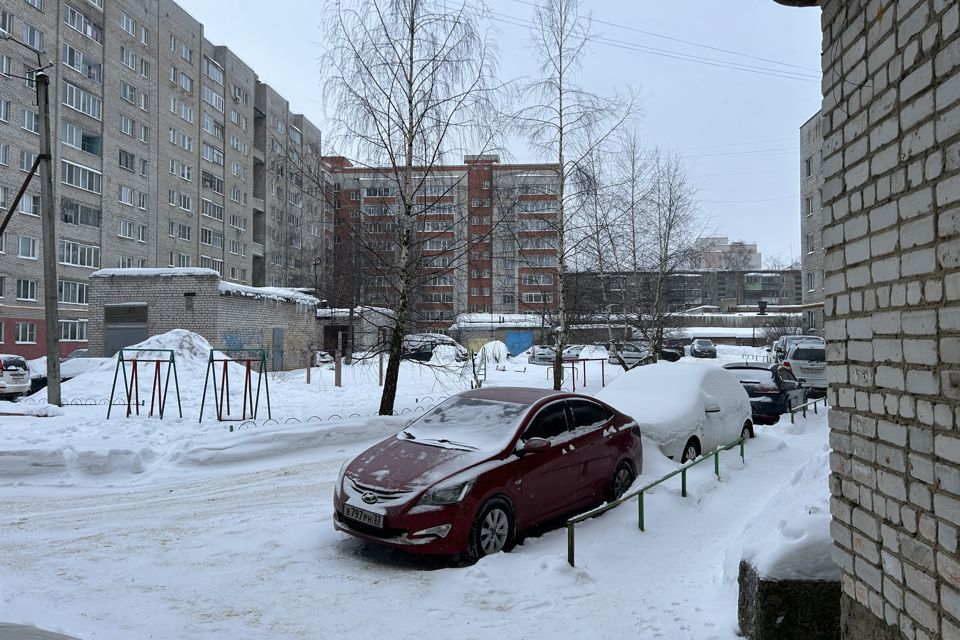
[(687, 42), (676, 55)]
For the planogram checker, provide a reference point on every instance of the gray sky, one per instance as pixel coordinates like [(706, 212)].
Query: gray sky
[(737, 130)]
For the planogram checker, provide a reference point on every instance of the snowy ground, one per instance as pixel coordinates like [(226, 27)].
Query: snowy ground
[(136, 528)]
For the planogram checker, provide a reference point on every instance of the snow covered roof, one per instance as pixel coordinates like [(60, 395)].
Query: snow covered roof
[(497, 320), (279, 294), (342, 313), (165, 272), (722, 332)]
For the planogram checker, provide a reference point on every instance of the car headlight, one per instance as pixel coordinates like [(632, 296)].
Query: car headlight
[(447, 494)]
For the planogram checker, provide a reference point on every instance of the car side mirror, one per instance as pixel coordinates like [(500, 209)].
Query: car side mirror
[(533, 445)]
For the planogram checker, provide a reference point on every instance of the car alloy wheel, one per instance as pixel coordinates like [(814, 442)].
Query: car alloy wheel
[(492, 529), (690, 451), (747, 431), (622, 479)]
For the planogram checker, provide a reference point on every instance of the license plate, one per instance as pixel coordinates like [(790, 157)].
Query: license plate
[(809, 370), (363, 516)]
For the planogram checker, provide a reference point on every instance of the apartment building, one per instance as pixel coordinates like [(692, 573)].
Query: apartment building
[(811, 223), (167, 151), (485, 238)]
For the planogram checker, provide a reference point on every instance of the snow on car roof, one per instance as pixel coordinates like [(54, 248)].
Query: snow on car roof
[(668, 398), (521, 395)]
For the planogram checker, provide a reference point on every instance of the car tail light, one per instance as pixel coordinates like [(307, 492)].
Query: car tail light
[(786, 363), (764, 388)]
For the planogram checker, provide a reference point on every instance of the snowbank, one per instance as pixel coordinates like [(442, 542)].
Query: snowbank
[(494, 352), (26, 409), (789, 539)]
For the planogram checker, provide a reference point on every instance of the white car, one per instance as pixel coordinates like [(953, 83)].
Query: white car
[(686, 408), (808, 363), (14, 376)]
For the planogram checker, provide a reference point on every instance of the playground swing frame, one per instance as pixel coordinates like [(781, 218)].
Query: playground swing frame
[(221, 396), (132, 390)]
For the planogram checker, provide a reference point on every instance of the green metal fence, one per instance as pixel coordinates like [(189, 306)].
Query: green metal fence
[(803, 407), (639, 493)]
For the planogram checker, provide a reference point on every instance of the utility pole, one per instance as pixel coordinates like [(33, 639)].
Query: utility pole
[(49, 227)]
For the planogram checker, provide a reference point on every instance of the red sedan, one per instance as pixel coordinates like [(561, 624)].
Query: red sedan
[(476, 471)]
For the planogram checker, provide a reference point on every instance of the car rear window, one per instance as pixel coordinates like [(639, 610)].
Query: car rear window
[(755, 376), (471, 423), (814, 355), (14, 363)]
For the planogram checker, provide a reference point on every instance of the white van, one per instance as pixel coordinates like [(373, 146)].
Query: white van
[(14, 377)]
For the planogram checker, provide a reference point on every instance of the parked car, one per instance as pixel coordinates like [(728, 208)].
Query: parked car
[(14, 376), (321, 357), (542, 354), (78, 353), (475, 472), (674, 343), (632, 353), (703, 348), (420, 347), (573, 352), (783, 344), (686, 408), (772, 388), (808, 362)]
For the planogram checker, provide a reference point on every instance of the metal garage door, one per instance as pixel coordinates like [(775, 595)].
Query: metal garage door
[(123, 326)]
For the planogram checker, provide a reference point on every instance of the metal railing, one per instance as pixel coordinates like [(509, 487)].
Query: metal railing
[(639, 493), (803, 407)]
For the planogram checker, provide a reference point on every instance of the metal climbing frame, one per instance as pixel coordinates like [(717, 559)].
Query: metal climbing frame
[(221, 397), (131, 388)]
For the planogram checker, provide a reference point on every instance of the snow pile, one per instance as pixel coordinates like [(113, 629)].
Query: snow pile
[(69, 368), (789, 539), (494, 352), (444, 354), (26, 409)]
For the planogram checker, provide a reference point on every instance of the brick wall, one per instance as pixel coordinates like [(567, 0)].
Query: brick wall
[(891, 169)]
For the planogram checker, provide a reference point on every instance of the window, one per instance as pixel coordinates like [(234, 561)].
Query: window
[(238, 222), (127, 160), (125, 195), (125, 228), (186, 82), (78, 138), (26, 289), (551, 422), (212, 126), (4, 110), (144, 36), (212, 154), (213, 70), (73, 330), (80, 176), (4, 194), (173, 43), (5, 64), (30, 121), (588, 414), (128, 24), (186, 202), (238, 119), (79, 22), (78, 61), (36, 3), (144, 133), (72, 292), (6, 21), (811, 282), (142, 201), (808, 167), (808, 205), (26, 333), (144, 68), (174, 74), (72, 212), (79, 255), (211, 209), (143, 167), (238, 248), (810, 244), (127, 92), (30, 204), (76, 98), (27, 158), (31, 36), (124, 262), (537, 298), (27, 247), (377, 192), (128, 58), (143, 102), (126, 124), (212, 182), (186, 53)]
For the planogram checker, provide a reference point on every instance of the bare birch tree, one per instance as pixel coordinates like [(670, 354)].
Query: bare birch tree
[(564, 124), (408, 82)]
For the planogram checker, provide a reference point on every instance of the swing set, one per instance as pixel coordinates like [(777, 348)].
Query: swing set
[(131, 387), (247, 358)]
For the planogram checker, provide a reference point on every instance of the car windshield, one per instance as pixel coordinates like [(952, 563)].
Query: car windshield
[(811, 354), (468, 423), (13, 363), (703, 343)]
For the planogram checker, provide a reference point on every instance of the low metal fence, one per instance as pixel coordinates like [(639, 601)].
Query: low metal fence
[(803, 407), (639, 493)]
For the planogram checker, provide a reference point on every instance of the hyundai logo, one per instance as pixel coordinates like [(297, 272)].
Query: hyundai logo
[(369, 497)]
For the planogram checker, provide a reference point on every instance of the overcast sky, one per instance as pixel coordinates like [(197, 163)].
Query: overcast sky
[(737, 129)]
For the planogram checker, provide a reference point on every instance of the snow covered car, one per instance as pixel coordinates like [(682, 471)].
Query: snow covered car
[(14, 376), (541, 354), (476, 471), (687, 408), (420, 347)]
